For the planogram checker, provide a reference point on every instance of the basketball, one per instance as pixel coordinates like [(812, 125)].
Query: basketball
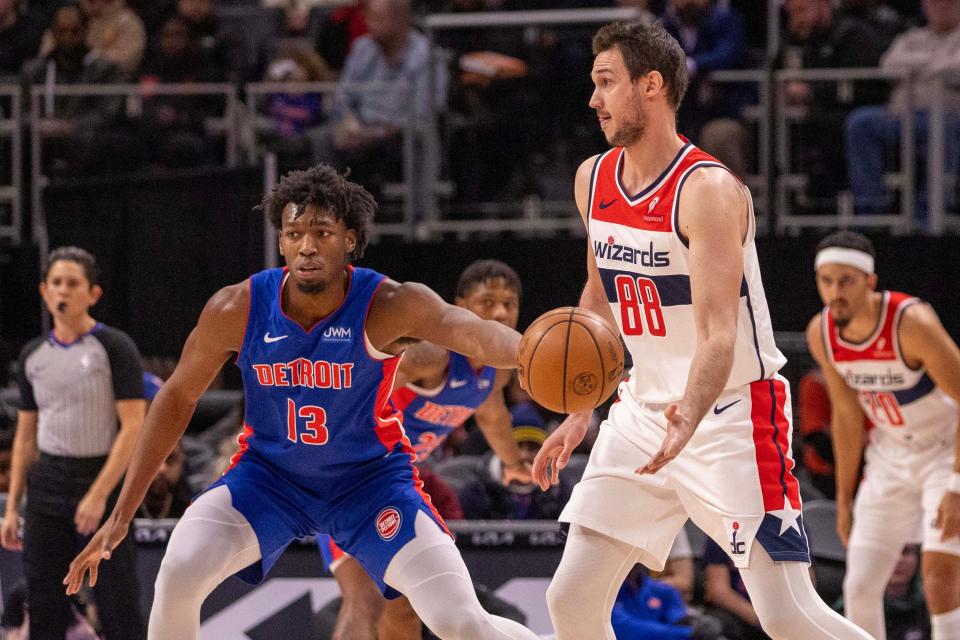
[(571, 359)]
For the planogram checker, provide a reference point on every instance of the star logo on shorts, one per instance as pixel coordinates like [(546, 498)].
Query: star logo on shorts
[(788, 517)]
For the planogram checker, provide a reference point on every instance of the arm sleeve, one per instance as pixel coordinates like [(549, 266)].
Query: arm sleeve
[(125, 367), (28, 401)]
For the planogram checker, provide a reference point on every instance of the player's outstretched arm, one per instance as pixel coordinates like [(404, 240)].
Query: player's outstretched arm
[(413, 310), (924, 341), (713, 218), (218, 334), (846, 429)]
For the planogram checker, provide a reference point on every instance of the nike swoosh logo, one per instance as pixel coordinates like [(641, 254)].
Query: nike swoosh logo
[(456, 384), (268, 338), (717, 409), (604, 205)]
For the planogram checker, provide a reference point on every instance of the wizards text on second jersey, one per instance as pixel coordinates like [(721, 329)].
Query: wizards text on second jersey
[(430, 415), (643, 262), (902, 403), (317, 404)]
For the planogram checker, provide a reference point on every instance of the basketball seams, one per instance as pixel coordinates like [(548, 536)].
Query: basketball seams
[(603, 369), (566, 353), (533, 352)]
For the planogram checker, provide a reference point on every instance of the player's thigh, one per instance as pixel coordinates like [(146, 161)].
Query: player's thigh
[(934, 488), (886, 514), (611, 498)]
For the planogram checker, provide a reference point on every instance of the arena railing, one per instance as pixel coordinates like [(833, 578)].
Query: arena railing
[(789, 181), (42, 107), (535, 214), (410, 190), (939, 181), (11, 132)]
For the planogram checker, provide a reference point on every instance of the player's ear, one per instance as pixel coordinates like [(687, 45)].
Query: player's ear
[(652, 84), (351, 240), (96, 292), (872, 281)]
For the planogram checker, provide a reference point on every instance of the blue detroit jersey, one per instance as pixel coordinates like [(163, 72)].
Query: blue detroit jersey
[(429, 416), (317, 406)]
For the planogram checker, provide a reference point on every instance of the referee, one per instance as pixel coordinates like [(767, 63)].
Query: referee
[(81, 408)]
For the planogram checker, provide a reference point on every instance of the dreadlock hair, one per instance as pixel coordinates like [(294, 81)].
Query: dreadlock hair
[(329, 191)]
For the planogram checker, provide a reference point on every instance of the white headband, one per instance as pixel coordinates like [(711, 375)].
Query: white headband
[(842, 255)]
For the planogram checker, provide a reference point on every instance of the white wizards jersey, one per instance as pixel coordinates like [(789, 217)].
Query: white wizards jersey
[(903, 404), (644, 265)]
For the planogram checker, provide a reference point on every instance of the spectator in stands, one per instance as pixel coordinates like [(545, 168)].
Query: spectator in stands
[(726, 596), (679, 572), (19, 38), (817, 38), (222, 49), (173, 126), (339, 31), (291, 114), (77, 384), (885, 20), (366, 124), (714, 38), (115, 34), (648, 608), (489, 499), (167, 496), (74, 131), (873, 133), (814, 414)]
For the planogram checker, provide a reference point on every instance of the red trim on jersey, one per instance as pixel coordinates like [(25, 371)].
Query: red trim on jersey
[(387, 420), (242, 442), (882, 344), (653, 210), (402, 398), (335, 552), (771, 441), (283, 280)]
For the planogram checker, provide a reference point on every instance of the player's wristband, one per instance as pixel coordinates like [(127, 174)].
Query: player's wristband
[(953, 483)]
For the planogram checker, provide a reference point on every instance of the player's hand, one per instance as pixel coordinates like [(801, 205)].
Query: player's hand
[(522, 474), (100, 547), (10, 532), (558, 447), (844, 522), (948, 516), (89, 513), (680, 427)]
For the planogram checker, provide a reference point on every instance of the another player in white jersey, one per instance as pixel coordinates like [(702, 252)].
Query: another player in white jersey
[(885, 354), (702, 427)]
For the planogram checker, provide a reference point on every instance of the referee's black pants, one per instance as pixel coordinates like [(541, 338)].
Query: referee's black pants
[(55, 486)]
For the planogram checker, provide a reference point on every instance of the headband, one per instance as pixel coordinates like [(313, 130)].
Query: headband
[(843, 255)]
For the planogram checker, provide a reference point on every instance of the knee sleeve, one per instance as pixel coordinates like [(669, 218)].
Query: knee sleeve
[(868, 571)]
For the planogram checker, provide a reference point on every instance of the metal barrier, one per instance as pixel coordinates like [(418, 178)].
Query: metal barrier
[(11, 128), (787, 181), (938, 180), (42, 108)]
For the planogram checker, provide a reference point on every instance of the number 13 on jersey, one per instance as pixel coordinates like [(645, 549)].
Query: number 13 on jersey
[(314, 430), (634, 293)]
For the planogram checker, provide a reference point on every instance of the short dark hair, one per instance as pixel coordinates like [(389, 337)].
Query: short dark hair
[(645, 48), (848, 240), (325, 188), (483, 271), (73, 254)]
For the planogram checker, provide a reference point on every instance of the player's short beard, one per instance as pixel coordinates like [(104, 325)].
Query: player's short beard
[(631, 129), (311, 288)]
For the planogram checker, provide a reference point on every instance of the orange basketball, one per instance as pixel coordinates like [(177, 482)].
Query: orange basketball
[(571, 359)]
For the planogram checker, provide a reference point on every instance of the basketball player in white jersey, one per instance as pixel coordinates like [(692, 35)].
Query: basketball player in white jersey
[(702, 426), (885, 354)]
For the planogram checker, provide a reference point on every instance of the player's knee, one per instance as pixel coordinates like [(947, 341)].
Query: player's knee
[(181, 573), (466, 623), (859, 586), (570, 608), (779, 622)]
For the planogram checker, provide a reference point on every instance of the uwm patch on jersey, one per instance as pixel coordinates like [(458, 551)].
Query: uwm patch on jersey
[(900, 401), (644, 267)]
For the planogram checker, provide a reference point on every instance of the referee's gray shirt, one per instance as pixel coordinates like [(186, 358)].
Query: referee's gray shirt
[(74, 388)]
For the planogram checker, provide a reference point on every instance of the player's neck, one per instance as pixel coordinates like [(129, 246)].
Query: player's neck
[(307, 309), (865, 323), (646, 159), (67, 330)]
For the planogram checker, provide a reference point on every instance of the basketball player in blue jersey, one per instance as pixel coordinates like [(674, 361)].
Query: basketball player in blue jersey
[(702, 427), (318, 344), (437, 391), (885, 354)]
